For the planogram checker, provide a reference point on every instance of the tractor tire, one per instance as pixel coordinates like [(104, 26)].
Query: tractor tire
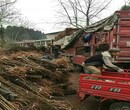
[(82, 96), (120, 106)]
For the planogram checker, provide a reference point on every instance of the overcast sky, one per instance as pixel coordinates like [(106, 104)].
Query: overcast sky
[(42, 12)]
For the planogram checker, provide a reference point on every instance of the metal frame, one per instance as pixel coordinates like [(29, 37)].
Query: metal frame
[(115, 87)]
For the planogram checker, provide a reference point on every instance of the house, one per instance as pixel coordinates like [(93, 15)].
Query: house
[(37, 43), (60, 34), (52, 35)]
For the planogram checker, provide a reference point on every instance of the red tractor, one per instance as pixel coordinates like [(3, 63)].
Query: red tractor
[(111, 86), (110, 32)]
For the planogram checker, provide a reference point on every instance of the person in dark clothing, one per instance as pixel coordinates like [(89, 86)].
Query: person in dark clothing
[(56, 50), (104, 59)]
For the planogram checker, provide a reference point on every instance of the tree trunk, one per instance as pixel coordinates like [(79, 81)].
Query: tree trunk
[(87, 21)]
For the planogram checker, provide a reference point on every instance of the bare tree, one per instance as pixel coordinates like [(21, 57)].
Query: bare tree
[(78, 12), (7, 15), (7, 11)]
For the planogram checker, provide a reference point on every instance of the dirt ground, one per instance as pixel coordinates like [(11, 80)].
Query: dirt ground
[(88, 104)]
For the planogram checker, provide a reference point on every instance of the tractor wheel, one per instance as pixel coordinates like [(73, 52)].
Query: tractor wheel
[(120, 106), (82, 96)]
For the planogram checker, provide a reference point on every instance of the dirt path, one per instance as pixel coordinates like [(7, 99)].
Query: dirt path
[(89, 104)]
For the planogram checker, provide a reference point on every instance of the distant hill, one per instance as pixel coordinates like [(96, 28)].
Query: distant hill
[(14, 33)]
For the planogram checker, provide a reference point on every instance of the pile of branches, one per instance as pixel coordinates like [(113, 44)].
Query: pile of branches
[(31, 83)]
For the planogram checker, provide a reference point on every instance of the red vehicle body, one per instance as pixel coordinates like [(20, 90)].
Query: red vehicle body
[(118, 36), (109, 86)]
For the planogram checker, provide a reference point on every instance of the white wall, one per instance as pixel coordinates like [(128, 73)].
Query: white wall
[(52, 35)]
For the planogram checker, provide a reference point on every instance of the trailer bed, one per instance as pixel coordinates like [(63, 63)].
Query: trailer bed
[(105, 87)]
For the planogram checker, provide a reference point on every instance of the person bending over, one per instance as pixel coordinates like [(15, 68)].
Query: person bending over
[(104, 59)]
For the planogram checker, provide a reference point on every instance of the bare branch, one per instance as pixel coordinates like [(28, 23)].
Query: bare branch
[(79, 11), (8, 3), (65, 11), (100, 8), (7, 11), (80, 5)]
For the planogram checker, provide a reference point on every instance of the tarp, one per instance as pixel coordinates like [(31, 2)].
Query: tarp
[(72, 39), (68, 40), (102, 25)]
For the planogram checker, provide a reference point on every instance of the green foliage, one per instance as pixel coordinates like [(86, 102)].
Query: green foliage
[(125, 7), (15, 33)]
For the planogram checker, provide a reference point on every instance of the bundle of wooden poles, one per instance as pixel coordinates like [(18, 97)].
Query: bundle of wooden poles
[(29, 83)]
